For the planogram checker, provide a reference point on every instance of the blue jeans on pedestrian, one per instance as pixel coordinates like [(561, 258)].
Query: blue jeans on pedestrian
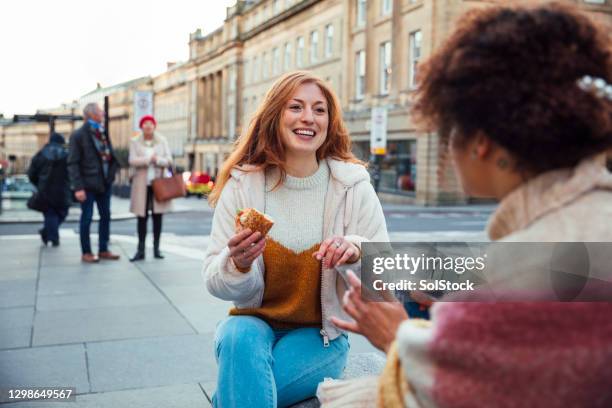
[(53, 219), (265, 368), (102, 201)]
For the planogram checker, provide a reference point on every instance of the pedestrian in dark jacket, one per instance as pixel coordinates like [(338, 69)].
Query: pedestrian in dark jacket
[(48, 172), (92, 166)]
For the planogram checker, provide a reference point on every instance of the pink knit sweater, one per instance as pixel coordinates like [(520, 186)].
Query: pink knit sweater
[(528, 354)]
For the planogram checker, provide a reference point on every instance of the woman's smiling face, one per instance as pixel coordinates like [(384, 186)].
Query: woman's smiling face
[(304, 121)]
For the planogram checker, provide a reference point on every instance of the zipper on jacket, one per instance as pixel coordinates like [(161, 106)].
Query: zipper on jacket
[(323, 332), (325, 338)]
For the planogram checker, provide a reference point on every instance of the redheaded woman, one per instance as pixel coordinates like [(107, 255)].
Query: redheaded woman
[(293, 163)]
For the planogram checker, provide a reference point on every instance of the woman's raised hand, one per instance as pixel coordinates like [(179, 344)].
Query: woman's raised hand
[(377, 321), (337, 251), (245, 247)]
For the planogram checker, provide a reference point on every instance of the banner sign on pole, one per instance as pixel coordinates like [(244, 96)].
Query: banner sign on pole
[(143, 105), (378, 131)]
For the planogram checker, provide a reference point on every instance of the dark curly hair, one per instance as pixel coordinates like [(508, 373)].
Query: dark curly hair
[(511, 72)]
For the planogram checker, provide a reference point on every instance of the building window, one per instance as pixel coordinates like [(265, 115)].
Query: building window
[(385, 67), (299, 52), (245, 109), (247, 72), (275, 61), (276, 6), (314, 46), (361, 12), (415, 56), (360, 62), (255, 68), (231, 125), (385, 7), (398, 169), (264, 65), (329, 40), (232, 78), (287, 57)]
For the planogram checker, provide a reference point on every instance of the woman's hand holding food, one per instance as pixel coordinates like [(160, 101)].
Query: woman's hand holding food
[(337, 251), (245, 247)]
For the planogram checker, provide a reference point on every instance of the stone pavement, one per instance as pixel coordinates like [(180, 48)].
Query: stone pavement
[(125, 335)]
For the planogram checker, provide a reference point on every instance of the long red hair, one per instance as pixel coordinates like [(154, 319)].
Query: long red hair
[(261, 144)]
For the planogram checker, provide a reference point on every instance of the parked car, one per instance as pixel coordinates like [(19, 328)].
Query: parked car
[(19, 182), (198, 183), (18, 186)]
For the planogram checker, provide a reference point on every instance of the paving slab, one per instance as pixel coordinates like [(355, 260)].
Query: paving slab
[(59, 366), (11, 318), (179, 396), (102, 298), (210, 387), (195, 293), (68, 270), (204, 316), (198, 306), (16, 337), (170, 258), (110, 323), (16, 327), (20, 292), (19, 262), (188, 275), (85, 282), (64, 256), (9, 273), (151, 362)]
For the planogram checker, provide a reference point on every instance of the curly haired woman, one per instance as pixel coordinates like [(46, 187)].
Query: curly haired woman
[(522, 98)]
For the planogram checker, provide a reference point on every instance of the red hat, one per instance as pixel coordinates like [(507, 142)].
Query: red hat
[(145, 118)]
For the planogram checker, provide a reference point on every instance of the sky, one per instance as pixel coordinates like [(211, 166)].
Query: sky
[(52, 52)]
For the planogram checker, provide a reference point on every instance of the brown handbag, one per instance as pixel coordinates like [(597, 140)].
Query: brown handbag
[(167, 188)]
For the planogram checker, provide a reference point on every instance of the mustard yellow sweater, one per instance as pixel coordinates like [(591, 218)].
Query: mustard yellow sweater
[(292, 294)]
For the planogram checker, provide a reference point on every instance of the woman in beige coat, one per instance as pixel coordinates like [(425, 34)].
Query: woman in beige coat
[(532, 136), (149, 157)]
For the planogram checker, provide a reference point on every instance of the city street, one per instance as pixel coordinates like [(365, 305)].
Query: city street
[(402, 220), (141, 334)]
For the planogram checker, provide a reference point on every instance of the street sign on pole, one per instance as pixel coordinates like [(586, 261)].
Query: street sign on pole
[(143, 105), (378, 131)]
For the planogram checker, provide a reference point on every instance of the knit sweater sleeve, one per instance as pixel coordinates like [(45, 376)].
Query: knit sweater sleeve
[(222, 278)]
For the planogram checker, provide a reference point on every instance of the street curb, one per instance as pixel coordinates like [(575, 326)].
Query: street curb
[(69, 219), (120, 217)]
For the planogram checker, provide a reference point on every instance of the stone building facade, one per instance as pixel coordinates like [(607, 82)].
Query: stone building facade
[(19, 142), (368, 50), (171, 108)]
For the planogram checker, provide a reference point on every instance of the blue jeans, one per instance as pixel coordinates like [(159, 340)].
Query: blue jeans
[(53, 219), (102, 201), (265, 368)]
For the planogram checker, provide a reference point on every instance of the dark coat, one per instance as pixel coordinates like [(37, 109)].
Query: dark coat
[(85, 164), (49, 173)]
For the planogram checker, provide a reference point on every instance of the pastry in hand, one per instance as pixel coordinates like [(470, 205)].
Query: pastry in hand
[(254, 220)]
